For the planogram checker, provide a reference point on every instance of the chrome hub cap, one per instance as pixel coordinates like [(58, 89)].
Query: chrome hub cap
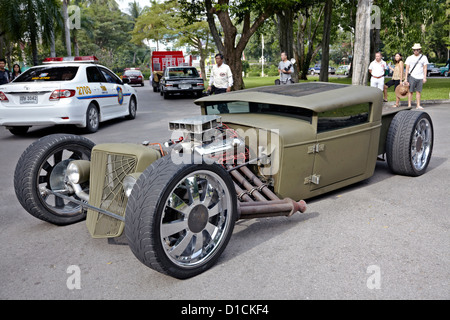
[(421, 144), (93, 118), (196, 216)]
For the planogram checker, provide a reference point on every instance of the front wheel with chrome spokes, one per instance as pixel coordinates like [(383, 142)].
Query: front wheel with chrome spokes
[(184, 214)]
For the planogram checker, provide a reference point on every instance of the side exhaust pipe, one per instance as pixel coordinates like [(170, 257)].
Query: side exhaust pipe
[(256, 200)]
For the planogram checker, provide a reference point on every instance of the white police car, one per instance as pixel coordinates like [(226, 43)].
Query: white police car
[(73, 90)]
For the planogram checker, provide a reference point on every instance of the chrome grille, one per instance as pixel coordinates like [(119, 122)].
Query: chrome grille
[(107, 173)]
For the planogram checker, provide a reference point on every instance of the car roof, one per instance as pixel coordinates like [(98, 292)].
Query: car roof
[(186, 67), (68, 64), (315, 96)]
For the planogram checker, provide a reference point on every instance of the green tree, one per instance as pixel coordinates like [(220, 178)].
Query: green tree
[(238, 23), (108, 35), (153, 23), (28, 21)]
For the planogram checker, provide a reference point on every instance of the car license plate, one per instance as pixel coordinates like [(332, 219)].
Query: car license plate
[(185, 86), (29, 99)]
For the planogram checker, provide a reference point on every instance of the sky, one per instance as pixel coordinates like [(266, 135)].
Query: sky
[(123, 4)]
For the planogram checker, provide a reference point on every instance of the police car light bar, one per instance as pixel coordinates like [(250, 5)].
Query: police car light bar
[(71, 59)]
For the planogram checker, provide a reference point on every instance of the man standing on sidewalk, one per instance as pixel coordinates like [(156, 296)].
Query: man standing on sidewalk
[(416, 72), (221, 79), (377, 68), (5, 75)]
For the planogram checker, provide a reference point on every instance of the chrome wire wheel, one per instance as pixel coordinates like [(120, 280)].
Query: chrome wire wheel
[(197, 215), (421, 144)]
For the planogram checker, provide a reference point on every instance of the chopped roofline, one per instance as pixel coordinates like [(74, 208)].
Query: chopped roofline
[(315, 96)]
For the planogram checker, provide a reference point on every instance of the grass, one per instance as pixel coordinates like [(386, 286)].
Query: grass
[(434, 89)]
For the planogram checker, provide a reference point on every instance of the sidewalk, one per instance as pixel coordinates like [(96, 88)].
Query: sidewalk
[(404, 103)]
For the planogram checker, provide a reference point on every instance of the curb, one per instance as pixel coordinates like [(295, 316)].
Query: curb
[(423, 102)]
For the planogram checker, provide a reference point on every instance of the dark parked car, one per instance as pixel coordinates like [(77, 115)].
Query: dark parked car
[(134, 76), (181, 80)]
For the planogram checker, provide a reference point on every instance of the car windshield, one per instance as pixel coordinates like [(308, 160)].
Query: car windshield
[(183, 73), (48, 74), (431, 65), (252, 107)]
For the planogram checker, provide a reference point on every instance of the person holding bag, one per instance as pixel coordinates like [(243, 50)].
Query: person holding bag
[(417, 75)]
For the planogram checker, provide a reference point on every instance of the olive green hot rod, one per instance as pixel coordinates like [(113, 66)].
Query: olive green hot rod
[(251, 153)]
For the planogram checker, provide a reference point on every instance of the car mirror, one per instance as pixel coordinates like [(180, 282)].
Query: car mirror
[(125, 81)]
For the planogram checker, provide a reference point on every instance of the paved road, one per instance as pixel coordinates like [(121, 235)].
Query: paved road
[(384, 238)]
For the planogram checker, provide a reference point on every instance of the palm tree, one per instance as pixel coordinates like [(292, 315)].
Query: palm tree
[(28, 21), (11, 26), (135, 10)]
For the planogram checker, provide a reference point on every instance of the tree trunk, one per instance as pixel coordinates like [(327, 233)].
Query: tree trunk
[(285, 21), (361, 55), (212, 26), (231, 48), (52, 44), (305, 57), (202, 53), (326, 42), (34, 50)]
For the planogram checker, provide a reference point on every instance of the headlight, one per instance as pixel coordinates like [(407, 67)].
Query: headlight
[(78, 171), (128, 183)]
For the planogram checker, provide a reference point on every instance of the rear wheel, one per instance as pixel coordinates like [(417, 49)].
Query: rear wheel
[(132, 108), (92, 119), (409, 143), (42, 166), (179, 218)]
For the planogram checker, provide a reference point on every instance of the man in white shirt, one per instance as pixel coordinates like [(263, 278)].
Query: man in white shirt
[(285, 68), (416, 71), (377, 69), (221, 79)]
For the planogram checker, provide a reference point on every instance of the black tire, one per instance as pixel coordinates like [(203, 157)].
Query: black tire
[(132, 109), (18, 131), (203, 231), (166, 95), (92, 119), (409, 143), (34, 169)]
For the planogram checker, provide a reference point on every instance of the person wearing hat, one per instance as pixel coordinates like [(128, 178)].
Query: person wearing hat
[(416, 72)]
